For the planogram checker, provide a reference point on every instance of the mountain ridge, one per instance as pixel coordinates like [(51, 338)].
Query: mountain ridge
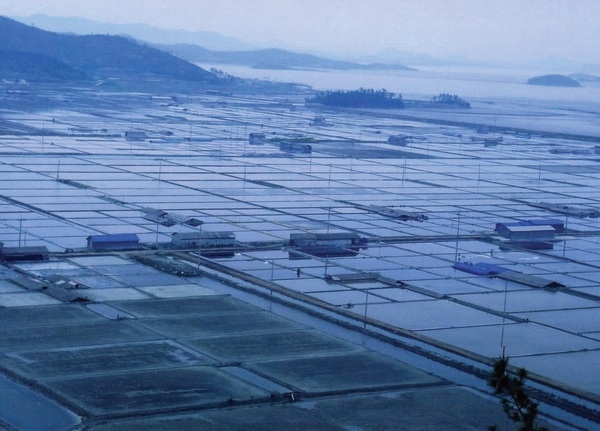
[(88, 57), (215, 41), (270, 58), (82, 26), (179, 41)]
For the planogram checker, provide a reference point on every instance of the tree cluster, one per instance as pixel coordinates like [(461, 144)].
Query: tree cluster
[(222, 75), (450, 99), (361, 98), (517, 404)]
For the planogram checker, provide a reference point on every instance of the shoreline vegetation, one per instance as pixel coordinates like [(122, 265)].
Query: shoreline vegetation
[(361, 98), (383, 99)]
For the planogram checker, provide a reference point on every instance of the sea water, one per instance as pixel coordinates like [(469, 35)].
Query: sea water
[(470, 83), (499, 97)]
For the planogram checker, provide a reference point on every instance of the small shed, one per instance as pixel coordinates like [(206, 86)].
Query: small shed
[(257, 138), (557, 225), (136, 136), (334, 239), (319, 120), (397, 213), (295, 147), (528, 232), (479, 268), (325, 244), (398, 140), (123, 241)]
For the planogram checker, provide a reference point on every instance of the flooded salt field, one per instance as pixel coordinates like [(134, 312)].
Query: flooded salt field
[(191, 156)]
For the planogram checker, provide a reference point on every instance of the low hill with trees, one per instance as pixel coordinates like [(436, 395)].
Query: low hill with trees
[(361, 98)]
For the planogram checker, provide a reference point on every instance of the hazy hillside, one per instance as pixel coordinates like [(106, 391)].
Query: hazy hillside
[(269, 59), (82, 26), (15, 65), (41, 54)]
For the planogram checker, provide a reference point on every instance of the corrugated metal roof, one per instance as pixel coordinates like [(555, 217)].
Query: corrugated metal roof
[(355, 277), (556, 224), (534, 228), (529, 280), (65, 295), (550, 221)]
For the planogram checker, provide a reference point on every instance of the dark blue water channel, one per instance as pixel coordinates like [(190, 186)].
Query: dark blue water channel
[(26, 410)]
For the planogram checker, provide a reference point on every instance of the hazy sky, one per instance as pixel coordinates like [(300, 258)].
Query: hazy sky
[(480, 29)]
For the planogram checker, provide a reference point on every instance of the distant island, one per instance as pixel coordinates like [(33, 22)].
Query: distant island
[(361, 98), (553, 81), (446, 100), (383, 99)]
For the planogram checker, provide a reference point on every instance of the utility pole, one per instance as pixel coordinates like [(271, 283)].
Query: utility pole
[(457, 234), (366, 307)]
